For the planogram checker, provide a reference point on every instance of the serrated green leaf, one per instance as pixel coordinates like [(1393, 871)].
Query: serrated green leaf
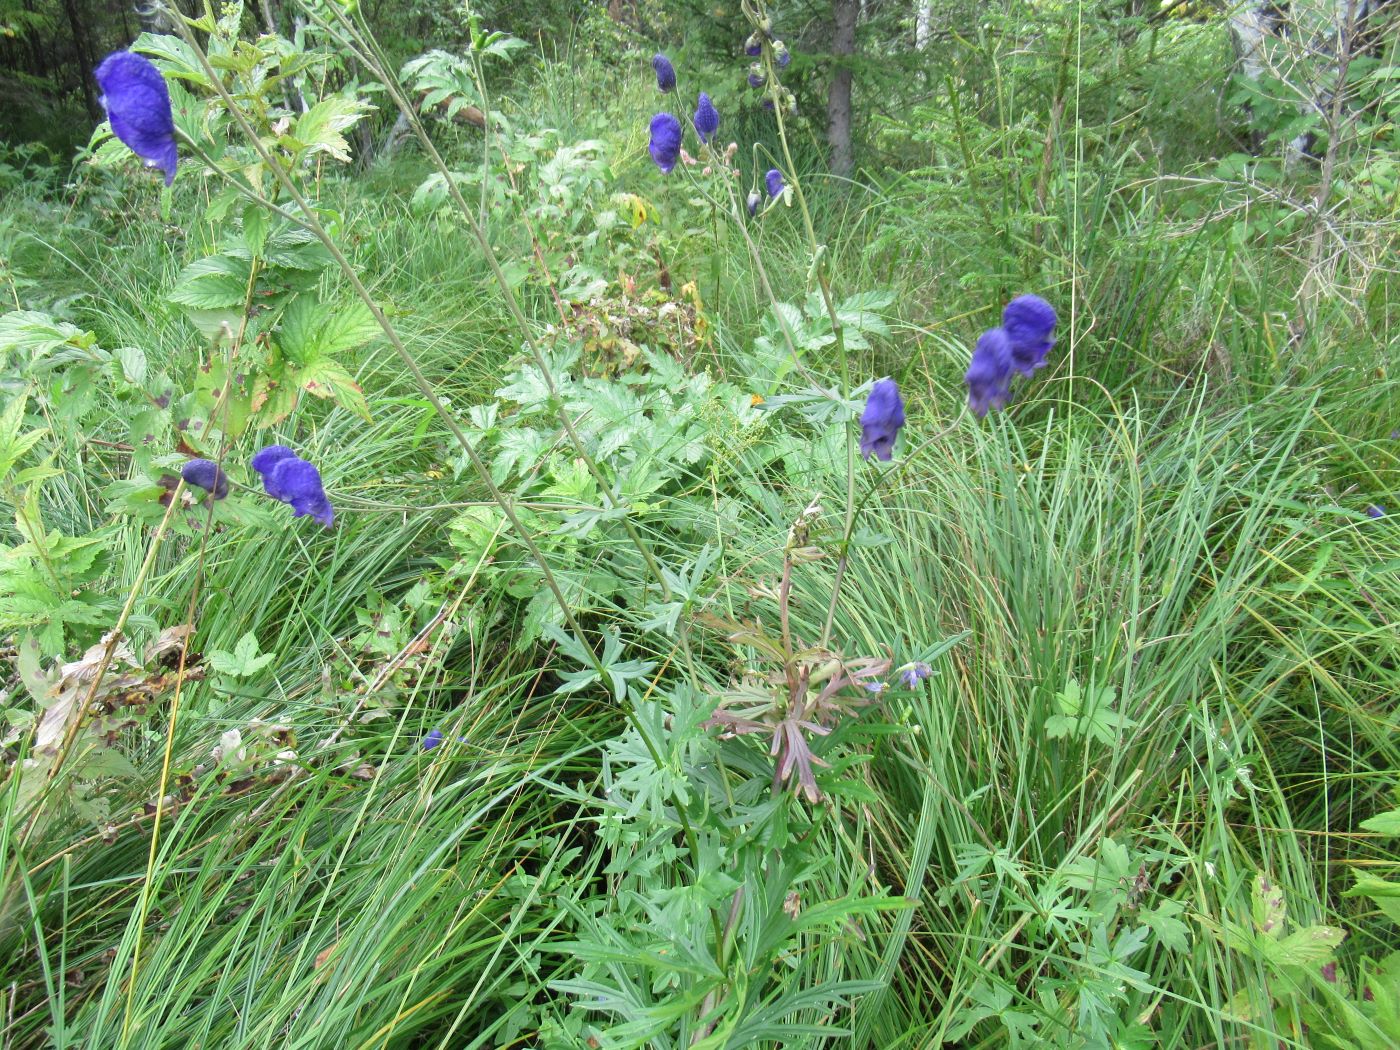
[(13, 444), (1311, 946), (312, 330), (1387, 823), (244, 661), (216, 282), (35, 334), (318, 130), (133, 363), (175, 57), (327, 379)]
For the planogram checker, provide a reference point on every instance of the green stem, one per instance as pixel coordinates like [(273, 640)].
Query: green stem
[(369, 53)]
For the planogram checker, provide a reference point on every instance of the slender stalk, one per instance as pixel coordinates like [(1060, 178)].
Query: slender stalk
[(843, 560), (369, 53)]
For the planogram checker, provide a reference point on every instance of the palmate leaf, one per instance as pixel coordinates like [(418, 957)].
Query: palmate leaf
[(319, 129), (311, 330), (245, 660), (174, 57), (35, 334)]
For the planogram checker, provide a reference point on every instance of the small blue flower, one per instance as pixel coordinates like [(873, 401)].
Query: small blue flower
[(881, 420), (756, 77), (753, 203), (781, 54), (289, 478), (265, 459), (665, 73), (206, 474), (1375, 510), (1029, 323), (989, 376), (876, 688), (774, 179), (665, 141), (138, 108), (300, 483), (706, 118), (753, 46), (912, 674), (432, 740)]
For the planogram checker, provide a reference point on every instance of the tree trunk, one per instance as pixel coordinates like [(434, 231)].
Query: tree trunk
[(83, 46), (838, 102), (923, 22)]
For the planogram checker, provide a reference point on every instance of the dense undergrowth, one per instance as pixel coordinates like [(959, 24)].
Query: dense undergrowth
[(1142, 794)]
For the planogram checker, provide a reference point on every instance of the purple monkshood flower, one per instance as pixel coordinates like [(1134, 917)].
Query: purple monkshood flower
[(912, 674), (432, 740), (665, 141), (781, 54), (1029, 323), (1375, 510), (138, 108), (665, 73), (265, 459), (289, 478), (706, 119), (989, 376), (881, 420), (753, 46), (774, 179), (756, 77), (206, 474), (753, 203)]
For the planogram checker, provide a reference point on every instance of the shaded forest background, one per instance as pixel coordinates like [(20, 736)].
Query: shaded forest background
[(875, 53)]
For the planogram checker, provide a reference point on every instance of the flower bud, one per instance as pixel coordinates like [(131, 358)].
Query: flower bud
[(756, 76)]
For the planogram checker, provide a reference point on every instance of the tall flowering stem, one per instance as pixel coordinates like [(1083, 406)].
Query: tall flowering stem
[(366, 50), (753, 11)]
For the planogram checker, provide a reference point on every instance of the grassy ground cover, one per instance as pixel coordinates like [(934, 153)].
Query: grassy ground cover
[(387, 793)]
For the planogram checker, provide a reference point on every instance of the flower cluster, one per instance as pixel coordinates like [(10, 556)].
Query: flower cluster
[(754, 46), (289, 478), (138, 108), (666, 130), (1018, 346), (912, 674)]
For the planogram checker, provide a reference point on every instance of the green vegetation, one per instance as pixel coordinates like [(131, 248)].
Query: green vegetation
[(491, 762)]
